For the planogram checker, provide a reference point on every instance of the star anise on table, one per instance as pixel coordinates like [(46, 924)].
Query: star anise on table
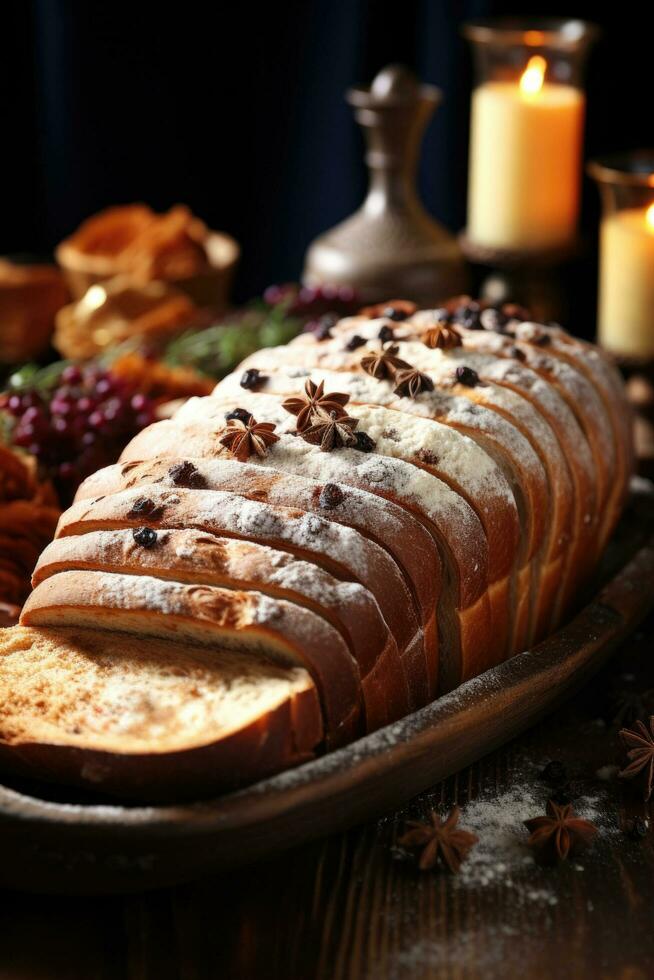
[(245, 438), (314, 398), (441, 336), (383, 363), (439, 840), (411, 382), (330, 430), (639, 742), (559, 833)]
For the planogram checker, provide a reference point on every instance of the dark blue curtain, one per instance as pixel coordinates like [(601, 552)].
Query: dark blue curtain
[(237, 109)]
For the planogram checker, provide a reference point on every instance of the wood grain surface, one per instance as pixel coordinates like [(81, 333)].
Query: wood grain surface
[(350, 907)]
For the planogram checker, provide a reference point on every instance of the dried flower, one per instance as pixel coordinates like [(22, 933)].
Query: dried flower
[(245, 438), (640, 744), (314, 398), (559, 833), (439, 840)]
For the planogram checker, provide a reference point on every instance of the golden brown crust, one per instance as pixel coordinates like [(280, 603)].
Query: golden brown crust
[(213, 616), (197, 557), (342, 551)]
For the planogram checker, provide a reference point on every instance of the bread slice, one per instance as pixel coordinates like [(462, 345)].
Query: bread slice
[(503, 380), (391, 527), (464, 609), (340, 550), (208, 615), (148, 719), (500, 379), (491, 432), (186, 555)]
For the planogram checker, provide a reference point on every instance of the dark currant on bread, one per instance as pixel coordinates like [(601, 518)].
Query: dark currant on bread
[(239, 413), (363, 442), (252, 379), (145, 536), (331, 496), (467, 376)]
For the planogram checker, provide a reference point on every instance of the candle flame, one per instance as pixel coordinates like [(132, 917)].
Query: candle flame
[(533, 76), (649, 217)]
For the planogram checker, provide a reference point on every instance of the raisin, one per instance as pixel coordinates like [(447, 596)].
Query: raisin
[(394, 313), (239, 413), (144, 507), (185, 474), (468, 316), (363, 442), (323, 327), (145, 536), (466, 376), (331, 496), (252, 379)]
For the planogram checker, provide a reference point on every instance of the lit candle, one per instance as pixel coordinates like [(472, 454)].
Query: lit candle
[(525, 160), (626, 293)]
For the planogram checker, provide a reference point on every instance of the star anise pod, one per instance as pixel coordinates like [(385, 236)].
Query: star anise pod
[(383, 363), (439, 840), (313, 399), (639, 741), (330, 430), (442, 336), (411, 382), (559, 833), (245, 438)]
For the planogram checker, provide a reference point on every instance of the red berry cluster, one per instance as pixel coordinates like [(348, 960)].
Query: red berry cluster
[(78, 425), (310, 303)]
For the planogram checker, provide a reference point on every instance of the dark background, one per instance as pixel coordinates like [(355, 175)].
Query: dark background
[(237, 110)]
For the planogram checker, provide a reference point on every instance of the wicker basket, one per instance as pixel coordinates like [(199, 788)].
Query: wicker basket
[(208, 289), (30, 296)]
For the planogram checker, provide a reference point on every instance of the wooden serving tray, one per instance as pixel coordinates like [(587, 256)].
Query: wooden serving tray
[(56, 842)]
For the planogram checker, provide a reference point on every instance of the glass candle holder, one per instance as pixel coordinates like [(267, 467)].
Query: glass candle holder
[(626, 279), (526, 133)]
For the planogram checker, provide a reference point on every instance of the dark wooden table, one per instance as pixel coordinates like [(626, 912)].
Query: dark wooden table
[(354, 907)]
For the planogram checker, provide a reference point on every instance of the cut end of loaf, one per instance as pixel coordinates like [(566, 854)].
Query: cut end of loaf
[(148, 717)]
